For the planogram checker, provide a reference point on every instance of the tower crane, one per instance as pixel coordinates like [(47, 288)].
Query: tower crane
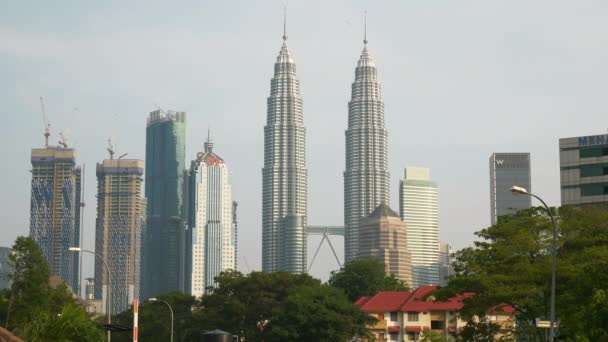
[(63, 141), (47, 125), (111, 148)]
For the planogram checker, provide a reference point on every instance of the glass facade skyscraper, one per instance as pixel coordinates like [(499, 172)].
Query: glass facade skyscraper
[(584, 170), (507, 170), (163, 264), (284, 176), (366, 178), (55, 209), (419, 208)]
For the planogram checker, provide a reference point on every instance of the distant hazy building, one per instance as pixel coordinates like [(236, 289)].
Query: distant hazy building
[(55, 209), (419, 208), (284, 176), (383, 235), (118, 230), (5, 268), (445, 263), (366, 178), (163, 268), (210, 221), (584, 169), (506, 170)]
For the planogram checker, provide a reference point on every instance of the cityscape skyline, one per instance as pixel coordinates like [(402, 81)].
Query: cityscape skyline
[(320, 145)]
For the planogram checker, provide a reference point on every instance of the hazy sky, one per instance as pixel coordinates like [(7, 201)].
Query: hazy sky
[(460, 80)]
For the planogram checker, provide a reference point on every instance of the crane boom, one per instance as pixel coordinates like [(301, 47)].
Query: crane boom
[(47, 125)]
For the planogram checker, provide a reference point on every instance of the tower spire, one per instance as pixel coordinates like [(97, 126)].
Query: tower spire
[(365, 29), (284, 22), (208, 144)]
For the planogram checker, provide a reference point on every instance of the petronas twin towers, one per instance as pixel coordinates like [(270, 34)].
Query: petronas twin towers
[(366, 178)]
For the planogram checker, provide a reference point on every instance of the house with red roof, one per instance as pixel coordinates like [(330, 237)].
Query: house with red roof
[(406, 316)]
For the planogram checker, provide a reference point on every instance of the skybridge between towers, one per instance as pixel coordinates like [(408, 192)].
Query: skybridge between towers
[(326, 232)]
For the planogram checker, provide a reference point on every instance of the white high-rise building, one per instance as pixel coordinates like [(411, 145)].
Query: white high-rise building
[(419, 208), (284, 176), (366, 178), (213, 235)]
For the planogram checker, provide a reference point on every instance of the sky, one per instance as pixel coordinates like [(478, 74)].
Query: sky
[(460, 80)]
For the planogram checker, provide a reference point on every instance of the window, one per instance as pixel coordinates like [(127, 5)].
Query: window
[(394, 336), (412, 316), (394, 317), (412, 336), (381, 316), (436, 325), (381, 337)]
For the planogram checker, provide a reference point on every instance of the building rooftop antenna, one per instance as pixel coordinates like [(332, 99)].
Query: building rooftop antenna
[(47, 125), (365, 28), (284, 22)]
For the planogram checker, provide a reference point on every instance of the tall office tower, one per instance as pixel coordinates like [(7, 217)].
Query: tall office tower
[(419, 208), (445, 263), (284, 176), (164, 235), (366, 179), (118, 231), (210, 220), (5, 268), (583, 165), (235, 233), (55, 209), (382, 234), (506, 170)]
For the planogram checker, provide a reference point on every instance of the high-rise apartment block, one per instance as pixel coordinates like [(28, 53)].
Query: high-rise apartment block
[(445, 263), (120, 216), (55, 209), (163, 264), (382, 234), (419, 208), (366, 178), (584, 169), (507, 170), (284, 176), (212, 233)]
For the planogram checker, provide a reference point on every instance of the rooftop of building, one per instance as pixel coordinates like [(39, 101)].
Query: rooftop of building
[(381, 211)]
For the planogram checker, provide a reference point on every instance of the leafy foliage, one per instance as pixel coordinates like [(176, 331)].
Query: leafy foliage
[(72, 324), (365, 277), (512, 264)]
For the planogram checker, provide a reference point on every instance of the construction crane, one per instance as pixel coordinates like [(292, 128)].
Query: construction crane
[(63, 141), (111, 148), (47, 125)]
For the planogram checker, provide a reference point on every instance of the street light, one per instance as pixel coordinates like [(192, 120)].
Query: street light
[(523, 191), (171, 309), (109, 300)]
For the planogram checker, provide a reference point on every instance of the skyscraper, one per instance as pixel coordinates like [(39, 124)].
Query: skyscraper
[(583, 165), (5, 268), (382, 234), (164, 235), (210, 221), (445, 263), (284, 176), (118, 230), (366, 179), (55, 209), (506, 170), (419, 208)]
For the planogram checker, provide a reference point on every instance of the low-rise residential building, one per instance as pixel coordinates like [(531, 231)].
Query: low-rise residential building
[(406, 316)]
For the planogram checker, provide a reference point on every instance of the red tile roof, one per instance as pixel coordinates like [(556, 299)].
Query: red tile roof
[(385, 302), (413, 328), (501, 308), (362, 301), (417, 303)]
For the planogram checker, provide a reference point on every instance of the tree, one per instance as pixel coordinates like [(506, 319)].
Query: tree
[(365, 277), (30, 291), (319, 313), (72, 324), (155, 319), (511, 263)]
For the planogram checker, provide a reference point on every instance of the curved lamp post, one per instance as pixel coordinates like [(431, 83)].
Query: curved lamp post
[(109, 301), (523, 191), (170, 308)]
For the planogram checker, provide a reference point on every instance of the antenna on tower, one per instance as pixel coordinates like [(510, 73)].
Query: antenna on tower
[(111, 148), (285, 22), (47, 125), (365, 28)]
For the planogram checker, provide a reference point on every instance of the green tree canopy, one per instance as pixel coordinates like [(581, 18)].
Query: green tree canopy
[(365, 277), (511, 263), (71, 324)]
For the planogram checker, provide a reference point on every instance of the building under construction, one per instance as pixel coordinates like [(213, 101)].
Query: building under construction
[(120, 215), (55, 209)]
